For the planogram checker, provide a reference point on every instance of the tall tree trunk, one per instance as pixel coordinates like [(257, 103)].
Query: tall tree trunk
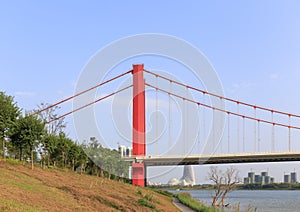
[(31, 152), (92, 170), (223, 198), (3, 144), (73, 164), (97, 171), (63, 159), (48, 159), (81, 168), (20, 153)]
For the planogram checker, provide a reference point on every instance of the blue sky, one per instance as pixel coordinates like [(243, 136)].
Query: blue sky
[(254, 46)]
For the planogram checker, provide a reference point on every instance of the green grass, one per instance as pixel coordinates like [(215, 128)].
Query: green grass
[(147, 200), (166, 193), (146, 203), (7, 205), (186, 199)]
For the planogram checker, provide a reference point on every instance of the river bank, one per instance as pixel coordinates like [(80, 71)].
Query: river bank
[(259, 200), (272, 186)]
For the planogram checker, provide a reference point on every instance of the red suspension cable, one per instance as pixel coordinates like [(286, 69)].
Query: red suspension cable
[(84, 106), (82, 92), (224, 111), (225, 98)]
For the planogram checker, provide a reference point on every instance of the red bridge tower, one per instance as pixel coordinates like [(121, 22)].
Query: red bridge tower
[(138, 133)]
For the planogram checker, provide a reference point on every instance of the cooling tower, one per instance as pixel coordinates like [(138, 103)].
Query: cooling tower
[(188, 176)]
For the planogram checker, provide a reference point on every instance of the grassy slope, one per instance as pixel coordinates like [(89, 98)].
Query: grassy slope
[(22, 189)]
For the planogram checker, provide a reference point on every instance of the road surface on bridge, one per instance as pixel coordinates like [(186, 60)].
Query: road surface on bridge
[(215, 159)]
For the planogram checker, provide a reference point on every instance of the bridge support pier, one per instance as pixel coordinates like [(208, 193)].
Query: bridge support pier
[(138, 122), (139, 174)]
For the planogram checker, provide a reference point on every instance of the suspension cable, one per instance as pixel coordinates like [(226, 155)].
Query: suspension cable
[(156, 117), (199, 128), (228, 131), (225, 111), (204, 119), (213, 132), (244, 134), (238, 126), (187, 122), (258, 135), (254, 129), (273, 133), (289, 133), (225, 98), (84, 106), (184, 124), (170, 116), (82, 92)]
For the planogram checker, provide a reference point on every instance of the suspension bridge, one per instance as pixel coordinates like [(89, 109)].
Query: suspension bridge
[(243, 132)]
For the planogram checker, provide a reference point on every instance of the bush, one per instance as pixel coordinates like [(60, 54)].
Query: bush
[(145, 203), (186, 199), (166, 193)]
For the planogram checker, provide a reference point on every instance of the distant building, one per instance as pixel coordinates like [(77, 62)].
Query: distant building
[(264, 174), (257, 178), (246, 180), (263, 178), (187, 179), (251, 177), (129, 151), (290, 178), (122, 150), (267, 179), (125, 151), (294, 177), (287, 178)]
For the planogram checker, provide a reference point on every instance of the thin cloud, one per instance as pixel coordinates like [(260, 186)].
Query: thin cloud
[(243, 85), (25, 93), (236, 87), (274, 76)]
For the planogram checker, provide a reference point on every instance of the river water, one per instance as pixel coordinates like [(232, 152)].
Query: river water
[(262, 200)]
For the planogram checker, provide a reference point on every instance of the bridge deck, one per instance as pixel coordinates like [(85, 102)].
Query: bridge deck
[(215, 159)]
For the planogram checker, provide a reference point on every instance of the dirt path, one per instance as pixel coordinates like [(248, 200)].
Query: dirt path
[(181, 206)]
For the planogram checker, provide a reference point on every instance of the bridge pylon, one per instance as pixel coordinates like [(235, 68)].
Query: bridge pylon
[(139, 126)]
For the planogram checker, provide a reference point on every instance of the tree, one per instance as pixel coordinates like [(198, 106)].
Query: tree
[(49, 143), (223, 183), (107, 161), (49, 113), (73, 155), (9, 112), (27, 132), (64, 146), (82, 159)]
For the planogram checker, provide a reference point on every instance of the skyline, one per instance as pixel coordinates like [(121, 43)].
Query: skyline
[(253, 46)]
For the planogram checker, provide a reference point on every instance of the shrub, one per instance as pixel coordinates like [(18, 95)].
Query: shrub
[(186, 199)]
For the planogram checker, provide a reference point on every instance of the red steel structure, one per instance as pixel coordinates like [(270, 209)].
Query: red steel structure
[(139, 117), (138, 122)]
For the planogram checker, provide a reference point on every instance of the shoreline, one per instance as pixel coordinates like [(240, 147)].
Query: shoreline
[(271, 187)]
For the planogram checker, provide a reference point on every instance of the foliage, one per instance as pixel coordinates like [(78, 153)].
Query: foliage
[(32, 136), (9, 112), (147, 200), (146, 203), (27, 131), (271, 186), (47, 113), (107, 161), (166, 193), (186, 199)]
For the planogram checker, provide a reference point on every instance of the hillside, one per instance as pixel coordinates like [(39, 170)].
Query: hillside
[(23, 189)]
